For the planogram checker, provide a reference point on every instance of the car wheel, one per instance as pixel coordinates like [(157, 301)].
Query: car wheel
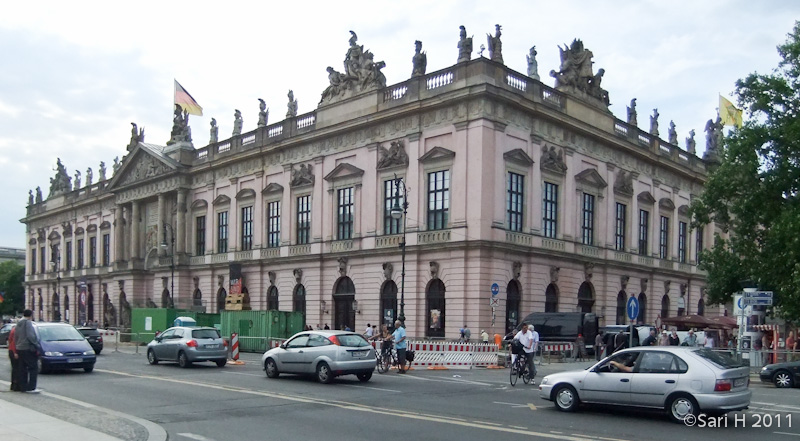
[(783, 379), (183, 360), (98, 352), (88, 369), (364, 377), (151, 357), (42, 367), (324, 374), (679, 407), (566, 398), (271, 368), (221, 363)]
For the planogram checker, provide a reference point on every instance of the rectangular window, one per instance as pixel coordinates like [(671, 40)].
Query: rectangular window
[(644, 228), (682, 242), (588, 219), (392, 195), (438, 199), (200, 236), (93, 251), (247, 228), (33, 261), (620, 227), (344, 218), (550, 208), (79, 252), (222, 232), (515, 195), (274, 224), (42, 260), (68, 251), (699, 245), (663, 238), (303, 219), (106, 249)]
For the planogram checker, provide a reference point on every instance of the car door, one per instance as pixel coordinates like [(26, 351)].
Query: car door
[(607, 385), (171, 344), (290, 359), (160, 348), (656, 376), (318, 346)]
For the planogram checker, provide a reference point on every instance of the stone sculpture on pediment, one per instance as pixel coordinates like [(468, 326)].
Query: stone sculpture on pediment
[(145, 167), (291, 106), (713, 139), (464, 45), (263, 113), (361, 74), (672, 135), (137, 136), (395, 155), (237, 122), (181, 132), (61, 182), (576, 75), (419, 61), (39, 195), (624, 183), (495, 45), (553, 160), (303, 175), (214, 132), (691, 144), (533, 65)]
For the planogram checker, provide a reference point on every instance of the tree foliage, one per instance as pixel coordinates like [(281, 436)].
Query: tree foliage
[(753, 194), (12, 275)]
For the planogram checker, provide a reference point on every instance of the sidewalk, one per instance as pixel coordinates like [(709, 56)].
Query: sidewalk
[(19, 423)]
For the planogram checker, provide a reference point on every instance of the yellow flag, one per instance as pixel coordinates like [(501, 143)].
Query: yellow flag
[(731, 116)]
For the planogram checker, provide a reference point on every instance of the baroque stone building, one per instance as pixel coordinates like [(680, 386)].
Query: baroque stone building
[(538, 189)]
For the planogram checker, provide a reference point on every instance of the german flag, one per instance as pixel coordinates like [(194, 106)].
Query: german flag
[(186, 101)]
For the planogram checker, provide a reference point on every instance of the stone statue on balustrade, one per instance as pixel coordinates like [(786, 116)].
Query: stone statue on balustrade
[(61, 182), (180, 127), (654, 123), (115, 166), (214, 136), (713, 137), (395, 155), (495, 45), (39, 195), (77, 179), (237, 122), (419, 61), (263, 113), (672, 135), (691, 145), (30, 198), (576, 76), (89, 176), (361, 74), (102, 172), (137, 136), (632, 114), (291, 106), (464, 45), (533, 65), (302, 176)]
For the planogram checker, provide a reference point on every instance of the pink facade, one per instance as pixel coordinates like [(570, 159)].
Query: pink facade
[(508, 182)]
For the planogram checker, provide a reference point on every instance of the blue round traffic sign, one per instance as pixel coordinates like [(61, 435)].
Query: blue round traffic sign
[(495, 289), (632, 308)]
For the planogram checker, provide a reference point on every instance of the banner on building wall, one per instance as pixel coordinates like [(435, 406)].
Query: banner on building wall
[(82, 295), (235, 278)]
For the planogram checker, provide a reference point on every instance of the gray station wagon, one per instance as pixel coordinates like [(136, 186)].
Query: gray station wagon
[(188, 344)]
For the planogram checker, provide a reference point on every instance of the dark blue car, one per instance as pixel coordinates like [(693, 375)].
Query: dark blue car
[(63, 347)]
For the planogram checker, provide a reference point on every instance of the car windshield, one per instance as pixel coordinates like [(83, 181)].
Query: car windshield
[(205, 333), (718, 359), (352, 340), (59, 333)]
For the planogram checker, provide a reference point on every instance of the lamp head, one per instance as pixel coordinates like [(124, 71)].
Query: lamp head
[(396, 211)]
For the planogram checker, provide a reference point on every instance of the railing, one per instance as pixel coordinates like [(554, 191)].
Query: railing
[(243, 255), (644, 260), (589, 251), (275, 130), (299, 250), (202, 154), (644, 140), (267, 253), (550, 96), (666, 264), (395, 93), (165, 261), (622, 257), (519, 238), (684, 267), (341, 245), (437, 236), (439, 80), (224, 147), (197, 260), (388, 241), (249, 139), (307, 120), (664, 148), (683, 156), (221, 257), (554, 244), (620, 129), (516, 83)]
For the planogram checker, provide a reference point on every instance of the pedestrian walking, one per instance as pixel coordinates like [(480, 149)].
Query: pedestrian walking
[(651, 339), (690, 339), (369, 332), (664, 338), (14, 358), (674, 340), (579, 352), (400, 345), (27, 346), (466, 333), (326, 327), (484, 336), (598, 346)]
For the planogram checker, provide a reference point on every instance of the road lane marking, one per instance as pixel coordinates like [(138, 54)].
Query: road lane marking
[(370, 387), (787, 433), (450, 380), (486, 422), (244, 373), (510, 404), (531, 406), (195, 436), (439, 419), (519, 427)]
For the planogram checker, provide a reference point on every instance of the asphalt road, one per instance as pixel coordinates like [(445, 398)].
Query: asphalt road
[(238, 402)]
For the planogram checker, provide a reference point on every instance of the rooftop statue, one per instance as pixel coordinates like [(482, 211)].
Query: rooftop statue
[(361, 74), (214, 132), (89, 177), (672, 134), (419, 61), (102, 171), (115, 166), (291, 107), (30, 197), (576, 75), (495, 45), (180, 127), (690, 143), (713, 139), (77, 179), (137, 136), (533, 65), (632, 113), (60, 183), (263, 113), (464, 45), (237, 122), (38, 195), (654, 123)]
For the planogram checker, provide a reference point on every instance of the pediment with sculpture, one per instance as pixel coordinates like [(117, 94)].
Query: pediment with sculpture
[(141, 166)]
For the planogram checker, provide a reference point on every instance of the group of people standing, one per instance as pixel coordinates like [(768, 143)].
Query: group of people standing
[(23, 351)]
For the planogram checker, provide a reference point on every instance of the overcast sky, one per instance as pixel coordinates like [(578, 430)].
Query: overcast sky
[(76, 74)]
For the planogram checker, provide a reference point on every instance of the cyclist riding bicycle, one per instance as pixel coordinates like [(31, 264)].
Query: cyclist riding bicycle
[(529, 340)]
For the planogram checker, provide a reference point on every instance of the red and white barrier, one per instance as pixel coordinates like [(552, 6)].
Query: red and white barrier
[(556, 347), (235, 346)]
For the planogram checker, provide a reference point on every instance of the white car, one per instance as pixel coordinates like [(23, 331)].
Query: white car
[(325, 354), (681, 380)]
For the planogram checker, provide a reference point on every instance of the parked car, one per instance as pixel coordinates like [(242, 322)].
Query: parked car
[(188, 344), (782, 374), (4, 331), (94, 338), (63, 347), (325, 354), (683, 381)]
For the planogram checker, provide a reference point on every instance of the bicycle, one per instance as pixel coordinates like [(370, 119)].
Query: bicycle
[(521, 369), (387, 357)]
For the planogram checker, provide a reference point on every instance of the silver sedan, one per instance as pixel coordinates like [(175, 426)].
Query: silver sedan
[(188, 344), (682, 381), (324, 354)]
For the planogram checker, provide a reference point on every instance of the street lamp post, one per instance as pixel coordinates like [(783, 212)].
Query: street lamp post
[(397, 212), (172, 261), (56, 264)]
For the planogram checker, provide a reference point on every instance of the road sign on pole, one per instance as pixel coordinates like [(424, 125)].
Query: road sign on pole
[(495, 289), (632, 308), (494, 303), (757, 298)]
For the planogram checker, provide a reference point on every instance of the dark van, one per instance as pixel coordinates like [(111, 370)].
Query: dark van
[(562, 326)]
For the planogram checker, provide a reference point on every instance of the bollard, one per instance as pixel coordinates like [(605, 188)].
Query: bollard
[(235, 346)]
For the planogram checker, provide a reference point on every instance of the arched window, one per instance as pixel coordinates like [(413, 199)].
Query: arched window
[(221, 294), (513, 298), (586, 297), (66, 307), (435, 300), (197, 297), (388, 312), (344, 294), (665, 306), (299, 301), (622, 299), (272, 298), (701, 307), (551, 298), (642, 317), (56, 308)]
